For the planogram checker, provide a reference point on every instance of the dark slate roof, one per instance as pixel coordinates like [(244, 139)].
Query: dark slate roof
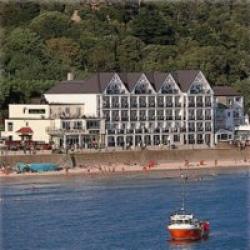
[(97, 82), (184, 78), (225, 91)]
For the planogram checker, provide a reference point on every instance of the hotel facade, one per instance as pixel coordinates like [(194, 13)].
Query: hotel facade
[(136, 109)]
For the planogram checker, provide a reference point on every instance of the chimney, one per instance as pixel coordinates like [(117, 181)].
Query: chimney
[(70, 76)]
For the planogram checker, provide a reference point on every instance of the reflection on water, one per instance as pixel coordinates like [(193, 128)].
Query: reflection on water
[(121, 212)]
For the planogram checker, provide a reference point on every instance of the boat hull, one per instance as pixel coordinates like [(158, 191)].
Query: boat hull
[(185, 234)]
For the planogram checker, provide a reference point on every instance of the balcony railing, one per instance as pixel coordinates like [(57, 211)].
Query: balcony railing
[(170, 118), (169, 105), (191, 117), (160, 117), (124, 105), (208, 117), (178, 117), (142, 104), (133, 118), (199, 104), (191, 129), (124, 119), (208, 104), (133, 105), (111, 131), (207, 129), (115, 105), (199, 117), (191, 104), (142, 118), (106, 105)]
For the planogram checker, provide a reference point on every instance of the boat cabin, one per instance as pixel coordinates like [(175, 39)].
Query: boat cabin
[(182, 219)]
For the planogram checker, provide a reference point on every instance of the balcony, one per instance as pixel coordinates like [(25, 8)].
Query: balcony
[(124, 105), (142, 104), (177, 104), (191, 104), (160, 117), (183, 129), (124, 119), (138, 131), (106, 105), (129, 131), (151, 117), (156, 130), (178, 117), (111, 131), (207, 129), (142, 118), (60, 131), (120, 131), (133, 105), (151, 105), (208, 104), (199, 104), (115, 105), (160, 104), (191, 129), (199, 117), (191, 117), (200, 129), (169, 105), (165, 130), (115, 118), (169, 118), (133, 118), (208, 117)]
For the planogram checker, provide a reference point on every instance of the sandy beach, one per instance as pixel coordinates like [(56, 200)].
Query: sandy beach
[(171, 169)]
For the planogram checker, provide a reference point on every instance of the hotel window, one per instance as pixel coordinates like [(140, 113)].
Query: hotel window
[(10, 126), (36, 111)]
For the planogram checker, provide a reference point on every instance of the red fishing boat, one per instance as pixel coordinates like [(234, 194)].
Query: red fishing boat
[(184, 226)]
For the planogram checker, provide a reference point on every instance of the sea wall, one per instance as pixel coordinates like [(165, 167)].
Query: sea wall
[(134, 157)]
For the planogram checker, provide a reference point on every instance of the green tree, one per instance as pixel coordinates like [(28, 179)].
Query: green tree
[(130, 54), (151, 27), (159, 58), (65, 50), (16, 13), (50, 24)]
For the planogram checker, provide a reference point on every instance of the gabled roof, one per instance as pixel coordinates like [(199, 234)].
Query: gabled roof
[(225, 91), (97, 82), (184, 78)]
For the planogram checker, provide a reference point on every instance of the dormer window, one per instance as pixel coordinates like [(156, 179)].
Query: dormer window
[(141, 88), (168, 88), (113, 88), (196, 88)]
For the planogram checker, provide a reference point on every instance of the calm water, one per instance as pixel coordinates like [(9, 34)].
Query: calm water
[(128, 212)]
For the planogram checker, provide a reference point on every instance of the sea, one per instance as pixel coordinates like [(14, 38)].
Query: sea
[(128, 212)]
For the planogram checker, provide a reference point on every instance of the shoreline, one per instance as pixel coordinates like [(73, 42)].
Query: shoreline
[(169, 169)]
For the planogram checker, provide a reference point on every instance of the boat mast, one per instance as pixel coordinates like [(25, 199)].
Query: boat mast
[(184, 177)]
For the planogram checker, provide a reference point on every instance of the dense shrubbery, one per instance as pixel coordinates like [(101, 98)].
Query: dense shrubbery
[(41, 43)]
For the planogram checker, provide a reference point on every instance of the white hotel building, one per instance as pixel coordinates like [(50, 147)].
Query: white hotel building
[(145, 109), (131, 109)]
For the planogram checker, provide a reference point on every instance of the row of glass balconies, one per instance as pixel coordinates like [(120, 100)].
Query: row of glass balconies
[(157, 131), (116, 102)]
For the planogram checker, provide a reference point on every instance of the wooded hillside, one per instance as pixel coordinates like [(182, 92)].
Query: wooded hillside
[(41, 42)]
